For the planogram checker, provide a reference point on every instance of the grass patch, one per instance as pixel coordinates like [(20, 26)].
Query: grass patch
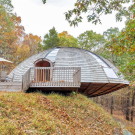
[(53, 114)]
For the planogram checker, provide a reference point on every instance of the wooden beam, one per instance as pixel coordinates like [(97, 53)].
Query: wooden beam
[(107, 92), (86, 89), (112, 89), (98, 89)]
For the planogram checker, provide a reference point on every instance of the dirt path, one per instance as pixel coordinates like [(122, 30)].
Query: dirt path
[(123, 126)]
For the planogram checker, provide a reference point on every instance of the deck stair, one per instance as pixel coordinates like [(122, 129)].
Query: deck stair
[(11, 86)]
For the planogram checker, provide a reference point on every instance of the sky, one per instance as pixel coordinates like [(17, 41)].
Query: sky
[(38, 18)]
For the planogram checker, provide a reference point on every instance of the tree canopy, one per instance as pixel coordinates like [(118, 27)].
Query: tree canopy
[(55, 39), (120, 48), (90, 40), (15, 44), (125, 48), (6, 4), (67, 40), (94, 9), (51, 39), (109, 33)]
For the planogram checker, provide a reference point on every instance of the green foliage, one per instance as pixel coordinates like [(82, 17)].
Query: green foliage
[(63, 39), (94, 9), (7, 4), (110, 33), (125, 48), (127, 12), (67, 40), (51, 39), (107, 51), (127, 38), (90, 40), (120, 49)]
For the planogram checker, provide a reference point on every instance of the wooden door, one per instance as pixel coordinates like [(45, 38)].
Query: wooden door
[(42, 72)]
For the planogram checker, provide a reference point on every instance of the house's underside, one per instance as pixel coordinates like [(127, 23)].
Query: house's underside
[(98, 89), (69, 69)]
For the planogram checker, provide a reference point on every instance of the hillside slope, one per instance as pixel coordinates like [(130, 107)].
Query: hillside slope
[(39, 114)]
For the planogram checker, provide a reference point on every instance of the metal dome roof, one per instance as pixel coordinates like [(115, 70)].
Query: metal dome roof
[(93, 67)]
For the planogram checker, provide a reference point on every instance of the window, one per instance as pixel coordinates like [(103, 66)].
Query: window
[(52, 55), (108, 70), (110, 73)]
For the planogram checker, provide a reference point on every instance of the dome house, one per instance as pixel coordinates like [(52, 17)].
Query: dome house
[(69, 69)]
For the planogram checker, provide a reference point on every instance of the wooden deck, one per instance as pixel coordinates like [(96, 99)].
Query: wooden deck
[(10, 86), (52, 77)]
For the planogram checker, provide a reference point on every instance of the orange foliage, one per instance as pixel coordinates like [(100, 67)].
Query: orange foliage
[(15, 45)]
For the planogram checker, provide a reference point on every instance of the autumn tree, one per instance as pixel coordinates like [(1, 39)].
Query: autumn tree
[(22, 53), (55, 39), (67, 40), (125, 48), (30, 45), (15, 44), (10, 31), (33, 42), (121, 45)]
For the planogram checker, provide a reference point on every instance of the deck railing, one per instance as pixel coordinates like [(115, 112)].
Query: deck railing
[(55, 77)]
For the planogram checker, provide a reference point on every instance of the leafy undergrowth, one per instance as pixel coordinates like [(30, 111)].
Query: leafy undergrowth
[(39, 114)]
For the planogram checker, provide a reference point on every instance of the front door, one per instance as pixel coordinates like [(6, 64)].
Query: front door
[(42, 72)]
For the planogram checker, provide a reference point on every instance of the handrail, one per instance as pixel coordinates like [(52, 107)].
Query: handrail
[(51, 77), (55, 76)]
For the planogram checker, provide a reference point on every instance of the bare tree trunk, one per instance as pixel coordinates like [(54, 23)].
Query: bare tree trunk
[(127, 107), (132, 104), (112, 105), (102, 101)]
